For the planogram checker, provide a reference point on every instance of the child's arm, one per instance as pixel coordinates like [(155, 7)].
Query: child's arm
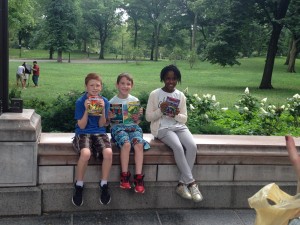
[(83, 121), (293, 154)]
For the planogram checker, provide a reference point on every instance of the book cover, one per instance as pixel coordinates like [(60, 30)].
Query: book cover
[(131, 114), (94, 108), (173, 105), (117, 111)]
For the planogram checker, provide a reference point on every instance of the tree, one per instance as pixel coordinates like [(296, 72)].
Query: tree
[(102, 16), (21, 19), (292, 23), (274, 12), (156, 12), (60, 25), (226, 34)]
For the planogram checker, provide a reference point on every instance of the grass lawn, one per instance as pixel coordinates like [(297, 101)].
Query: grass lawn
[(226, 83)]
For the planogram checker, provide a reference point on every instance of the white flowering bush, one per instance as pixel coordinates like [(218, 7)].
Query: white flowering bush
[(205, 106), (293, 107), (249, 116), (247, 105), (270, 116)]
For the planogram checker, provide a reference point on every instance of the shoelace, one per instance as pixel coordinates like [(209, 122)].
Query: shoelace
[(195, 189), (139, 181)]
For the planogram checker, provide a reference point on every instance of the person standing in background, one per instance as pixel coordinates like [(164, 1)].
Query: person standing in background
[(27, 73), (20, 76), (36, 73)]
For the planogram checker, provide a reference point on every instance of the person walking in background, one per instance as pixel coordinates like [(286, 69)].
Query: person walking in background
[(36, 73), (128, 135), (27, 72), (20, 76), (91, 137), (167, 112)]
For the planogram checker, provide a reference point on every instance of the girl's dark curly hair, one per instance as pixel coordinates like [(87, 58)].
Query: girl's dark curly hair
[(166, 69)]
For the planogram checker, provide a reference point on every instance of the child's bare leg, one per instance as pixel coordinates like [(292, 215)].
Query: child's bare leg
[(106, 164), (138, 157), (293, 154), (124, 156), (82, 163)]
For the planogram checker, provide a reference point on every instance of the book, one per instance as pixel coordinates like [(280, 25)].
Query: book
[(124, 113), (117, 111), (172, 107), (94, 108), (133, 109)]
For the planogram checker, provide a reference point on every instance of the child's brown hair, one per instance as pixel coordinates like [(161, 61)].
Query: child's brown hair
[(93, 76), (127, 75)]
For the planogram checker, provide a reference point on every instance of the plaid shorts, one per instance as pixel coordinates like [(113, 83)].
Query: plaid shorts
[(95, 142)]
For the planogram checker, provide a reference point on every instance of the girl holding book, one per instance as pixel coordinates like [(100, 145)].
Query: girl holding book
[(170, 128), (125, 112)]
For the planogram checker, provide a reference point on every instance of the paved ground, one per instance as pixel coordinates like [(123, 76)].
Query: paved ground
[(139, 217)]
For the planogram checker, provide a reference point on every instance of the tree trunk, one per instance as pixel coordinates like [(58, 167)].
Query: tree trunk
[(194, 28), (266, 82), (152, 47), (135, 34), (279, 13), (293, 54), (156, 40), (102, 42), (59, 55), (101, 55), (288, 54), (51, 52)]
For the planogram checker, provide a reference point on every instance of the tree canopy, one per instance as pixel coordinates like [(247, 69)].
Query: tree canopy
[(219, 31)]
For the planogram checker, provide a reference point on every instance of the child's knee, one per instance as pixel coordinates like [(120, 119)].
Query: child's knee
[(126, 146), (107, 154), (85, 154), (138, 147)]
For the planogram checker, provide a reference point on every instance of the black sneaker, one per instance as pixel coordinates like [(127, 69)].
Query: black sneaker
[(77, 195), (104, 195)]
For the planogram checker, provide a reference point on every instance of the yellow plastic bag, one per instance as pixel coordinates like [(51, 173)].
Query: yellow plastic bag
[(273, 206)]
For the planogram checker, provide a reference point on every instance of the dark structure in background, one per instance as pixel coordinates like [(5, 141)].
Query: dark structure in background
[(4, 56)]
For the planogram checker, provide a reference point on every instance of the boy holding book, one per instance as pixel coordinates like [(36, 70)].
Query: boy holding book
[(125, 115), (91, 113), (167, 112)]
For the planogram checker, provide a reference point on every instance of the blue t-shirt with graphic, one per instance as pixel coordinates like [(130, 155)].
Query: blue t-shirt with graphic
[(92, 126)]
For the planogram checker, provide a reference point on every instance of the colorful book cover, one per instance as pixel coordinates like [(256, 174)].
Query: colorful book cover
[(94, 108), (133, 109), (117, 111), (172, 107)]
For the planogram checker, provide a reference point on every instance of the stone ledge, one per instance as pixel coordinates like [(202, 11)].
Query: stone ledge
[(56, 149), (229, 195)]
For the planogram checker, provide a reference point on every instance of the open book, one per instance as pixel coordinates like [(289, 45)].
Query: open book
[(125, 113), (94, 108), (173, 105)]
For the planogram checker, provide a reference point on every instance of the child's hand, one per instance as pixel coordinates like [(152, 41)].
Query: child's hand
[(163, 106), (101, 103), (135, 117), (111, 115), (87, 102)]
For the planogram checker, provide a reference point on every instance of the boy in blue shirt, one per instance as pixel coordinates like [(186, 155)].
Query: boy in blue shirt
[(91, 137)]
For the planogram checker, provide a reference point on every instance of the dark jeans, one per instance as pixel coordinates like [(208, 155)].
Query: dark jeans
[(35, 79)]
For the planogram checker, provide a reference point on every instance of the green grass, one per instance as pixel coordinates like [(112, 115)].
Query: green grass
[(226, 83)]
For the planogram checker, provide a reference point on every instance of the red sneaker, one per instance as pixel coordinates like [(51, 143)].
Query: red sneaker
[(125, 183), (139, 184)]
